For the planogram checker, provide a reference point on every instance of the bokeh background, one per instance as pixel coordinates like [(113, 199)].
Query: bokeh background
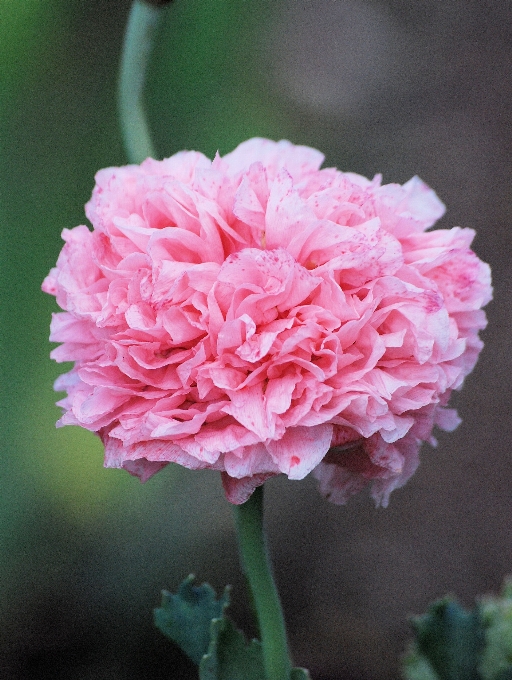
[(420, 87)]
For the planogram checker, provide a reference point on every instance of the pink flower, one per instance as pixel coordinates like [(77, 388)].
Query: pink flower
[(257, 315)]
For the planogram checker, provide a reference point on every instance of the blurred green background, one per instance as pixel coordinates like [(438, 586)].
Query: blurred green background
[(379, 86)]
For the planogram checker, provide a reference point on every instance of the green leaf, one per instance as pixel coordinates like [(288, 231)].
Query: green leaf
[(451, 639), (186, 617), (229, 655), (496, 663), (416, 667), (195, 620), (300, 674)]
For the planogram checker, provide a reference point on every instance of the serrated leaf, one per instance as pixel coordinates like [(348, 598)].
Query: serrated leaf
[(451, 639), (186, 617), (300, 674), (229, 655)]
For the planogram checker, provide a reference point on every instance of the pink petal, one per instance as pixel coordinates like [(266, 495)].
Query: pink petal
[(300, 449), (256, 315), (240, 490)]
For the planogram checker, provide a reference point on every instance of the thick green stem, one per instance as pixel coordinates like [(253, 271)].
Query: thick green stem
[(257, 567), (138, 40)]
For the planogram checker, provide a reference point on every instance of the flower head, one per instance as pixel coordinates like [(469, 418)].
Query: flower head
[(258, 315)]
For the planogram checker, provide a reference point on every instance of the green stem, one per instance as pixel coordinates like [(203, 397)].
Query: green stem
[(138, 40), (257, 567)]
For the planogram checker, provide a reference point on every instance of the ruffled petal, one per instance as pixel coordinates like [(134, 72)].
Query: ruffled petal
[(258, 315)]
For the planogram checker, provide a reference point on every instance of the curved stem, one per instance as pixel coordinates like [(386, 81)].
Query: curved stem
[(257, 567), (138, 40)]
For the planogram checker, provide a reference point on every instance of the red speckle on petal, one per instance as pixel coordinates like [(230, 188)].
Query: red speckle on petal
[(433, 302)]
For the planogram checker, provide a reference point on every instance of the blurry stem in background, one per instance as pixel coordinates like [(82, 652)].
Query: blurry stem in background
[(257, 568), (138, 41)]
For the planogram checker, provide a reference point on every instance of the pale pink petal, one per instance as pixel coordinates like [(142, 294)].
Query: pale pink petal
[(240, 490), (421, 202), (298, 160), (142, 468), (300, 449), (247, 461)]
